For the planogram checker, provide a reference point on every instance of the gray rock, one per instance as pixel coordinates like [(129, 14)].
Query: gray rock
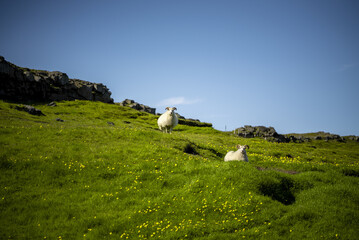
[(271, 135), (100, 88), (268, 133), (52, 104), (135, 105), (37, 78), (30, 109), (86, 92), (59, 77), (29, 76), (19, 84), (6, 68)]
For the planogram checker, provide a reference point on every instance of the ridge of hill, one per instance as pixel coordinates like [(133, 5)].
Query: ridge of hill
[(24, 84), (270, 134), (106, 172)]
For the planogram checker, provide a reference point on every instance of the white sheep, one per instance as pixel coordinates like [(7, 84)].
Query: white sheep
[(167, 121), (239, 155)]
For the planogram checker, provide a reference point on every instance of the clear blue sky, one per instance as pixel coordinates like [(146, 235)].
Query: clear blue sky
[(292, 65)]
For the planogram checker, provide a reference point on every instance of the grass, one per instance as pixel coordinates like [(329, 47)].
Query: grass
[(87, 179)]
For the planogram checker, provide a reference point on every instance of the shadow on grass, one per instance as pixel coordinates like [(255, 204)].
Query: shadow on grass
[(278, 190)]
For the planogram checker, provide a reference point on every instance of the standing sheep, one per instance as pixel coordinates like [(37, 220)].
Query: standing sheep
[(239, 155), (167, 121)]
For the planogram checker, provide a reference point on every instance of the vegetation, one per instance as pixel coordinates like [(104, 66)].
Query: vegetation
[(107, 172)]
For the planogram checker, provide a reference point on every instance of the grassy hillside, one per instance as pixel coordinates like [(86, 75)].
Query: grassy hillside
[(106, 172)]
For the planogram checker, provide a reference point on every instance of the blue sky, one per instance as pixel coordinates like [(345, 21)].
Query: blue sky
[(292, 65)]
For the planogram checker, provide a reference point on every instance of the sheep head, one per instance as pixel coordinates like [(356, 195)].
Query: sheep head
[(242, 148), (171, 109)]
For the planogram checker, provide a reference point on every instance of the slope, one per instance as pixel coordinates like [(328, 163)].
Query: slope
[(106, 172)]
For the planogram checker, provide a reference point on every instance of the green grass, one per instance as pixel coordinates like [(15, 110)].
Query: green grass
[(86, 179)]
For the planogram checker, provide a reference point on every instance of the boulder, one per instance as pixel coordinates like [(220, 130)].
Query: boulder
[(59, 77), (85, 91), (100, 88), (52, 104), (135, 105), (29, 76), (268, 133), (30, 109)]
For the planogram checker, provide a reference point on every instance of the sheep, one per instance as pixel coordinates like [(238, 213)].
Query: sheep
[(239, 155), (167, 121)]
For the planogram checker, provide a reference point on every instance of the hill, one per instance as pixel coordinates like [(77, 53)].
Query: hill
[(90, 170)]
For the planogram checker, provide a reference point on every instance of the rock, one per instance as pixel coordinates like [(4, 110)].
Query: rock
[(193, 123), (29, 76), (100, 88), (59, 77), (181, 120), (85, 91), (52, 104), (30, 109), (196, 120), (268, 133), (140, 107), (352, 138), (23, 84)]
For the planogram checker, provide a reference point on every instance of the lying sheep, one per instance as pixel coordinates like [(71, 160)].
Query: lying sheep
[(239, 155), (167, 121)]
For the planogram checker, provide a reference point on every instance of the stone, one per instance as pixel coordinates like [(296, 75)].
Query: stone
[(135, 105), (52, 104), (29, 76), (99, 88), (6, 68), (30, 109), (59, 77), (268, 133), (23, 84), (86, 92)]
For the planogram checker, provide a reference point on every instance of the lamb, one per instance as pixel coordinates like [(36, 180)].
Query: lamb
[(239, 155), (167, 121)]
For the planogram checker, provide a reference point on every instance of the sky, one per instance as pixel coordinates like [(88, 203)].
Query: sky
[(292, 65)]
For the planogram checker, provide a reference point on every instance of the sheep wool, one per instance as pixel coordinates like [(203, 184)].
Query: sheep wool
[(168, 120), (239, 155)]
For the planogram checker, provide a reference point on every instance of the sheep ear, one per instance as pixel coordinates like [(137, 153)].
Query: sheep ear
[(174, 108), (167, 108), (238, 146), (246, 146)]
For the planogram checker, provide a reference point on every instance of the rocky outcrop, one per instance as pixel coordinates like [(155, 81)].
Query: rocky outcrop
[(352, 138), (193, 122), (30, 109), (320, 136), (135, 105), (181, 120), (270, 134), (23, 84)]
